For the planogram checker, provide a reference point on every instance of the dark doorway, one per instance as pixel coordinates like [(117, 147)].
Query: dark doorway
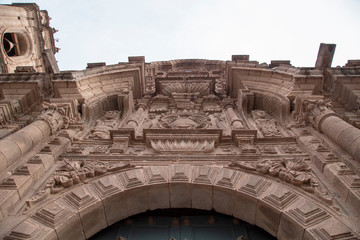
[(181, 224)]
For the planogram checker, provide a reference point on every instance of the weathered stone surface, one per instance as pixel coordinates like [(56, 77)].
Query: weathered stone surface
[(85, 149), (64, 220), (89, 207)]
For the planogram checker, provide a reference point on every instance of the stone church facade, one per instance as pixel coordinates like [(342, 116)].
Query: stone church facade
[(273, 145)]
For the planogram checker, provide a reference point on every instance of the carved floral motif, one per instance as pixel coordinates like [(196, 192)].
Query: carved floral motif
[(292, 170), (74, 172)]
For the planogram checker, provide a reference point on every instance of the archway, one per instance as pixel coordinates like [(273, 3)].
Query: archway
[(281, 209)]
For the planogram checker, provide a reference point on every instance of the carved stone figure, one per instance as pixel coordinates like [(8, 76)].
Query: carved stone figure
[(267, 125), (104, 124)]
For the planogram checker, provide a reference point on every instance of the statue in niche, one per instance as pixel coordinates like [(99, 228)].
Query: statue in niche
[(266, 124), (104, 124)]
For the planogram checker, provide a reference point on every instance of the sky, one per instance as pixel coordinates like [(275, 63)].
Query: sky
[(111, 30)]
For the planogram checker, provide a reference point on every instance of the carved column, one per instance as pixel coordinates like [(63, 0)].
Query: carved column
[(15, 146), (233, 118), (321, 117), (136, 117)]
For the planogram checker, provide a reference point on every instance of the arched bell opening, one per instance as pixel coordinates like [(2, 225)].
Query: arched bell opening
[(15, 44), (182, 223)]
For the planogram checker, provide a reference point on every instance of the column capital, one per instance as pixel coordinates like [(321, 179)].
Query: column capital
[(56, 115), (311, 111)]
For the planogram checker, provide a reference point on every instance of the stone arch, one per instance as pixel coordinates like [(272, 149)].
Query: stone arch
[(81, 211)]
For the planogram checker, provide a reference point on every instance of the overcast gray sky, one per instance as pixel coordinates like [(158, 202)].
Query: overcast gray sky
[(111, 30)]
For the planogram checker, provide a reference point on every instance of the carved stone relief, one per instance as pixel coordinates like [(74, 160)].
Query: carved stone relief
[(296, 171), (104, 124), (266, 124), (184, 120), (70, 173)]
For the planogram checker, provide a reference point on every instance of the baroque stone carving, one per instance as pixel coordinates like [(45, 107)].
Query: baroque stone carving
[(104, 124), (184, 120), (74, 172), (183, 145), (266, 124), (56, 117), (310, 111), (292, 170)]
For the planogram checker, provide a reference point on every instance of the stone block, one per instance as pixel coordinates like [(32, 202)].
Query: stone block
[(62, 218), (245, 207), (332, 176), (159, 196), (302, 215), (111, 193), (180, 195), (223, 200), (253, 185), (30, 229), (330, 229), (8, 199), (353, 200), (325, 55), (289, 229), (137, 200), (90, 209), (36, 170), (202, 197), (268, 218), (22, 183)]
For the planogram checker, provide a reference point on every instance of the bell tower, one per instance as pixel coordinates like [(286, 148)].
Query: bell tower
[(27, 42)]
